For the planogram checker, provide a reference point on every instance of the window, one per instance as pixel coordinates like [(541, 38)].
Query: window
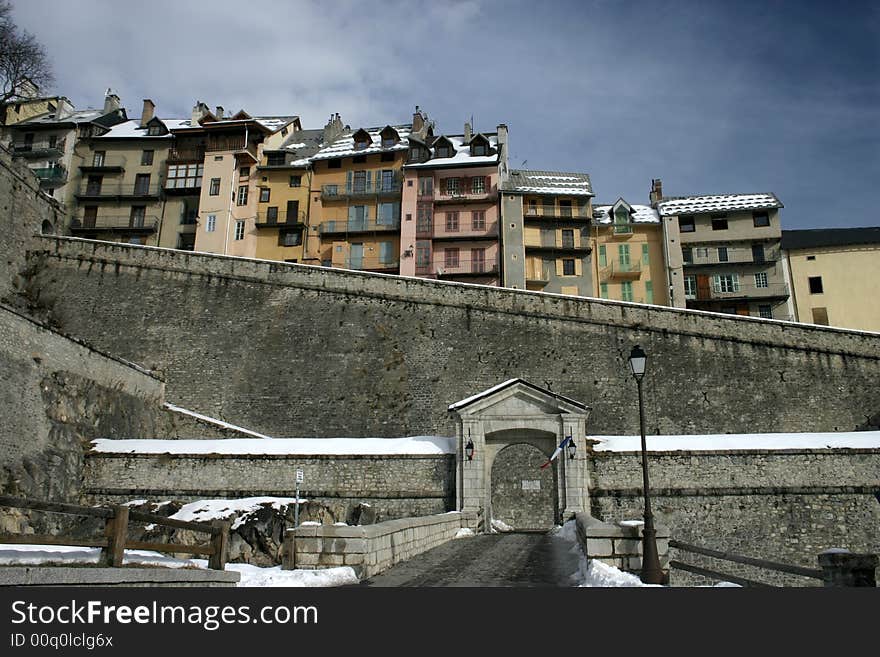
[(264, 194), (533, 206), (452, 222), (154, 130), (443, 151), (386, 253), (623, 257), (761, 220), (292, 212), (722, 254), (184, 176), (239, 230), (272, 215), (478, 220), (568, 267), (811, 257), (426, 186), (142, 184), (478, 260), (359, 182), (758, 252), (478, 185), (761, 279), (98, 158), (621, 221), (296, 181), (626, 291), (334, 164), (480, 149), (567, 238), (450, 258), (765, 311), (726, 283), (603, 259), (565, 208), (690, 287), (815, 284), (211, 223), (138, 214), (242, 195), (423, 254), (702, 252), (215, 187), (136, 240), (646, 258), (687, 255), (719, 224), (218, 158), (452, 187), (416, 154), (603, 290), (686, 224), (820, 316), (146, 158), (275, 159), (289, 237), (387, 184), (388, 142), (359, 159), (361, 145), (387, 157), (649, 292), (385, 215), (244, 172), (424, 217), (330, 190)]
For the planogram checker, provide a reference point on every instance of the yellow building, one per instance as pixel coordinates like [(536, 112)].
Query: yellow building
[(835, 276), (285, 178), (630, 258), (354, 212)]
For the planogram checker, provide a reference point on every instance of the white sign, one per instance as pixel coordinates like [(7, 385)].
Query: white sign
[(300, 477), (531, 485)]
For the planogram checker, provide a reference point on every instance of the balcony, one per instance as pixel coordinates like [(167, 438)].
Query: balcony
[(235, 145), (363, 191), (39, 149), (621, 270), (117, 224), (737, 290), (281, 220), (460, 197), (548, 245), (357, 226), (464, 230), (562, 215), (186, 155), (734, 257), (102, 168), (117, 192), (51, 177), (368, 264), (466, 269)]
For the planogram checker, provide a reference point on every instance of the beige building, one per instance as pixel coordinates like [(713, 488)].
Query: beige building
[(835, 276)]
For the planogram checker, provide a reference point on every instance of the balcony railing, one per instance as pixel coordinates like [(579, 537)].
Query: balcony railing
[(358, 226), (545, 212), (455, 197), (464, 230), (280, 219), (465, 267), (51, 176), (361, 191), (117, 190), (234, 144), (39, 148), (368, 264), (739, 289), (622, 270), (734, 257), (185, 155), (147, 224)]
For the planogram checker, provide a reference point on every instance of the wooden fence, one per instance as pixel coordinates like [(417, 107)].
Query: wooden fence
[(115, 539)]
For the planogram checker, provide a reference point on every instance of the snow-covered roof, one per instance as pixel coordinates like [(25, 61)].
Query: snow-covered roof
[(548, 182), (133, 130), (462, 154), (77, 116), (717, 203), (641, 214), (344, 146), (274, 123)]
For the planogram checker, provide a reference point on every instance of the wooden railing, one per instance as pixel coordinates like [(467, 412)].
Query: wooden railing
[(736, 558), (115, 539)]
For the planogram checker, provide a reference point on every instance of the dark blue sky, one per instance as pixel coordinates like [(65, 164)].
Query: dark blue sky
[(712, 97)]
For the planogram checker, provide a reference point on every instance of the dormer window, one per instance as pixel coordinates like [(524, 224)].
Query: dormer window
[(480, 149), (361, 145), (389, 137), (479, 146), (388, 142), (362, 140), (621, 220), (154, 131)]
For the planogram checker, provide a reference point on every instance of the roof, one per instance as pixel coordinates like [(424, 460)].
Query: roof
[(548, 182), (501, 386), (132, 130), (676, 205), (302, 144), (819, 237), (77, 116), (344, 146), (641, 214), (462, 155)]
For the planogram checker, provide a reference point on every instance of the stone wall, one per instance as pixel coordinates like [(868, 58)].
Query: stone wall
[(785, 506), (372, 548), (395, 486), (294, 350), (618, 545)]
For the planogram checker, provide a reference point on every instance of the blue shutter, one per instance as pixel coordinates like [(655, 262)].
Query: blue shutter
[(395, 213), (385, 251)]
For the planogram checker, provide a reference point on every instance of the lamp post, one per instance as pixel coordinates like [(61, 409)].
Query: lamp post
[(652, 573)]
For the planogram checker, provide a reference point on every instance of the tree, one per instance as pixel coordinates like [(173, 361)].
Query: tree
[(22, 57)]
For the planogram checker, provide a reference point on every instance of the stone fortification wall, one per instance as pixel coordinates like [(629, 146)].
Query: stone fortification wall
[(395, 486), (786, 506), (293, 350)]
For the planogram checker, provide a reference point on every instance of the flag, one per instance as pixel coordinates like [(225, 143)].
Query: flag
[(557, 452)]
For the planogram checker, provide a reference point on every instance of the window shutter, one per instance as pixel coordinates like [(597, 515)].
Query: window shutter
[(649, 292), (444, 188), (602, 259), (395, 212), (578, 267), (486, 180), (348, 176), (559, 267), (645, 251), (366, 214), (465, 185), (736, 282), (351, 213)]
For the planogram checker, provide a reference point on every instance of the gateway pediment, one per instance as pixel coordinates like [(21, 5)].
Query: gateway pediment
[(517, 398)]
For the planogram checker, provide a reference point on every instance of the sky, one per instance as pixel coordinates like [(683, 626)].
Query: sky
[(711, 97)]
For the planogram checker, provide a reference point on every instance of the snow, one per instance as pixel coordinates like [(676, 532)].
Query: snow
[(462, 155), (274, 123), (642, 214), (132, 130), (344, 146), (464, 532), (740, 441), (215, 421), (219, 509), (500, 526), (254, 576), (281, 446), (465, 402), (717, 203), (549, 182)]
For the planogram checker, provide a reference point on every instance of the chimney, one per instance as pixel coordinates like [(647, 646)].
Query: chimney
[(656, 192), (219, 113), (467, 132), (502, 150), (199, 111), (147, 113), (418, 120), (334, 128), (111, 102)]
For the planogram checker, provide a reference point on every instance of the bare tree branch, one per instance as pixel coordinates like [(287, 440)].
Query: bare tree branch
[(22, 57)]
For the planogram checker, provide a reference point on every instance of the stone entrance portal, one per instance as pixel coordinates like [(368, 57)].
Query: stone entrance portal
[(514, 428)]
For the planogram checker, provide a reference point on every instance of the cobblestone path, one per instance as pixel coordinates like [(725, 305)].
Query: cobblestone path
[(517, 559)]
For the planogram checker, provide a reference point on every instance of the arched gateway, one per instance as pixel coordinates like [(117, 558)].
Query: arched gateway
[(514, 428)]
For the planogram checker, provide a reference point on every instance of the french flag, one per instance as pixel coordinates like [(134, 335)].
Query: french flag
[(558, 451)]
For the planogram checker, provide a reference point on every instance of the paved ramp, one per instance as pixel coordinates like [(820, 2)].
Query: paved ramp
[(516, 559)]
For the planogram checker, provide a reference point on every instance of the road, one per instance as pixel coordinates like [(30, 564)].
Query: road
[(516, 559)]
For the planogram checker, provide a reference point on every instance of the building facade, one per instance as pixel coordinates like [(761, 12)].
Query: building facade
[(835, 276)]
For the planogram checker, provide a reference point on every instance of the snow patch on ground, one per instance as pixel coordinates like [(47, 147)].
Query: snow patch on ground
[(464, 532), (208, 510), (499, 526)]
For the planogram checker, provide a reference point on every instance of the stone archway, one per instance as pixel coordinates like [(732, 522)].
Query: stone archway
[(523, 495)]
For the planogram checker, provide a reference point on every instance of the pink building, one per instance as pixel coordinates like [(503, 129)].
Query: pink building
[(450, 207)]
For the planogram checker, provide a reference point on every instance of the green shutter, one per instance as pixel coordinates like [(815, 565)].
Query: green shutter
[(603, 261), (645, 259), (626, 291), (603, 290), (649, 292), (348, 182), (623, 254)]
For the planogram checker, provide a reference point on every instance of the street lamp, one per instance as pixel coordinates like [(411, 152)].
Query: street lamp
[(469, 449), (572, 448), (652, 573)]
